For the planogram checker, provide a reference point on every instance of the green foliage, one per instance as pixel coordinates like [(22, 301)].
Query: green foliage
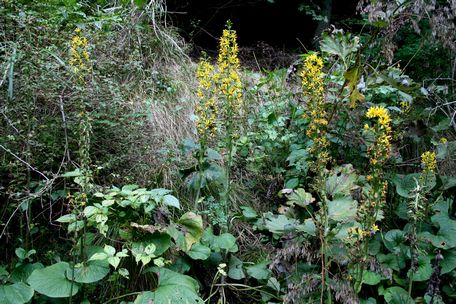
[(256, 213)]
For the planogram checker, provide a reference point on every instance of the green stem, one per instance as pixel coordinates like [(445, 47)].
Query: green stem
[(200, 175), (228, 164)]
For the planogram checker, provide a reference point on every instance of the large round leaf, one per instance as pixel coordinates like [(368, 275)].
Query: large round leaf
[(17, 293), (342, 209), (52, 282), (397, 295), (172, 287), (91, 272)]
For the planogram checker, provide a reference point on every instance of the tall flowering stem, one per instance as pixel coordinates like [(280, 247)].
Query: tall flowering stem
[(229, 91), (418, 208), (314, 95), (80, 67), (219, 106), (378, 151)]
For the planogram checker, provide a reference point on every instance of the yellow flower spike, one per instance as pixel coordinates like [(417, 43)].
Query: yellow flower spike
[(429, 162), (206, 109), (313, 91), (80, 58)]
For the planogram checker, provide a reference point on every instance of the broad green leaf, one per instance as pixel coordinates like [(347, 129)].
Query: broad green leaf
[(17, 293), (259, 271), (225, 241), (397, 295), (162, 242), (300, 198), (371, 278), (342, 182), (192, 228), (199, 252), (109, 250), (88, 273), (74, 173), (280, 223), (405, 184), (91, 210), (339, 44), (21, 273), (446, 236), (211, 154), (172, 287), (248, 213), (67, 218), (449, 261), (393, 239), (342, 209), (170, 200), (114, 261), (423, 271), (235, 270), (98, 256), (52, 282), (308, 227)]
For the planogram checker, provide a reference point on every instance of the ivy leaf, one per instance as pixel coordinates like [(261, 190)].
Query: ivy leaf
[(52, 282)]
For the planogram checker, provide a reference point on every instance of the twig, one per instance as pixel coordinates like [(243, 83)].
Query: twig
[(25, 163)]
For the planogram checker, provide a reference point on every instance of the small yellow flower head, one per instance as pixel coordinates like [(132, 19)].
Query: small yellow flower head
[(381, 113), (443, 140), (429, 162), (374, 228), (405, 106), (380, 151)]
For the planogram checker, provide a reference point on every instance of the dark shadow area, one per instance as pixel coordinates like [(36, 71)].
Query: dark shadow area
[(279, 24)]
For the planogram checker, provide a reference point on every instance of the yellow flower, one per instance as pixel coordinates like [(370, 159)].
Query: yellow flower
[(381, 113), (443, 140), (79, 56), (375, 228), (313, 91), (429, 162), (227, 78)]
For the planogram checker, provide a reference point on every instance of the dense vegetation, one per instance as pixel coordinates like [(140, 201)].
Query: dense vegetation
[(132, 173)]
